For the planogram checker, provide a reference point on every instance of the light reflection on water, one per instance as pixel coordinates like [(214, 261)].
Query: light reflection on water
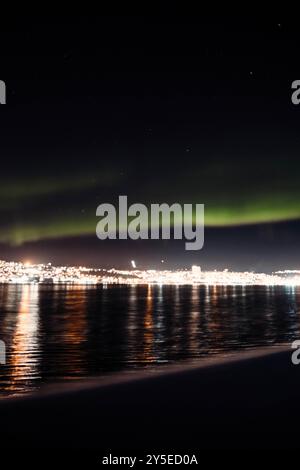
[(59, 333)]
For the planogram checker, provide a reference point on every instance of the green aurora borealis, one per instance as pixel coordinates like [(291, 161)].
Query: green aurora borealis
[(233, 194)]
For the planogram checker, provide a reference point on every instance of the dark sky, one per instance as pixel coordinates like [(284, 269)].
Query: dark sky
[(162, 109)]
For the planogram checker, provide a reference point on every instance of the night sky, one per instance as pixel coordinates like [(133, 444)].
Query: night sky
[(165, 109)]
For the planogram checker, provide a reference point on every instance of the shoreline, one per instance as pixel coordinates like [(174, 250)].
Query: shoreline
[(245, 401), (115, 378)]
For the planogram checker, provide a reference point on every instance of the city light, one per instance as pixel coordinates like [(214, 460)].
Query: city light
[(26, 273)]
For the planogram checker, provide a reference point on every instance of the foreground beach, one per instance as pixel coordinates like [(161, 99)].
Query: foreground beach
[(249, 400)]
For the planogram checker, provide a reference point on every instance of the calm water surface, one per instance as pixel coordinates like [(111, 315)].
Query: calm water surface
[(62, 333)]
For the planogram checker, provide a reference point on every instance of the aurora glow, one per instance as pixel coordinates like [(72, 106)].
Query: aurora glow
[(39, 208)]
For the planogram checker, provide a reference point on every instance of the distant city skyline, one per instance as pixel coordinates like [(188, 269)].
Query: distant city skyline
[(27, 273)]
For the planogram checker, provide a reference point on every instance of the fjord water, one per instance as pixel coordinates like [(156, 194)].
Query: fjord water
[(56, 333)]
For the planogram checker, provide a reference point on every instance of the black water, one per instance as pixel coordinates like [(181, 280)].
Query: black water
[(61, 333)]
